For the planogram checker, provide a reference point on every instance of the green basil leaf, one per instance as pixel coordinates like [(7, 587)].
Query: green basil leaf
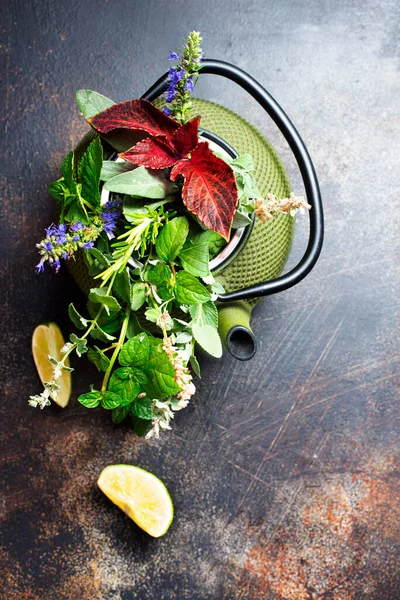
[(91, 103), (98, 358), (91, 399), (142, 408), (195, 257), (79, 321), (100, 296), (109, 400), (171, 239), (140, 182), (111, 168), (118, 414), (135, 352), (189, 290), (208, 338), (204, 314), (125, 385), (160, 373)]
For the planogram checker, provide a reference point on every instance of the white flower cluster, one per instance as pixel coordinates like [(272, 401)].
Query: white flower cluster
[(51, 388), (266, 208)]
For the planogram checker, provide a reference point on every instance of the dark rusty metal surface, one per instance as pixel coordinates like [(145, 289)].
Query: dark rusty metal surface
[(284, 471)]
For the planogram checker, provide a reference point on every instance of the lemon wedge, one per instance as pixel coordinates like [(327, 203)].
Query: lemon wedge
[(141, 495), (47, 339)]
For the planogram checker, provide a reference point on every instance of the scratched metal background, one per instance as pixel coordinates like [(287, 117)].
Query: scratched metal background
[(284, 471)]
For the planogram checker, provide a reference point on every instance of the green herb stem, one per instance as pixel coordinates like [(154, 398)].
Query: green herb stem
[(117, 349)]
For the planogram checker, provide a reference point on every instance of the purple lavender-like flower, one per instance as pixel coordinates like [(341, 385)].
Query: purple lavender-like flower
[(173, 56), (189, 85), (77, 226), (175, 75), (88, 245), (167, 111)]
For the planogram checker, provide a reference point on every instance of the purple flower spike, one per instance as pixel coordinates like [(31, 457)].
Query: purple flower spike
[(173, 56), (169, 95), (88, 245), (56, 265), (40, 267), (77, 226), (76, 238), (189, 86), (48, 246), (167, 111)]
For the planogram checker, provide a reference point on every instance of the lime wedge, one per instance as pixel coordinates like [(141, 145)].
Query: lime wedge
[(141, 495), (47, 340)]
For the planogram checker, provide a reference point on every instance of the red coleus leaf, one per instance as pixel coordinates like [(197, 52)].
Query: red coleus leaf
[(138, 115), (209, 191), (160, 153)]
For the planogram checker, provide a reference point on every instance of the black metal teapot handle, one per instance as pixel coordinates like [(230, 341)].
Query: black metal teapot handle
[(248, 83)]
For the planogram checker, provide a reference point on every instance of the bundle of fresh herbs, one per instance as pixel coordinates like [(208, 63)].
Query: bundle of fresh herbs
[(171, 204)]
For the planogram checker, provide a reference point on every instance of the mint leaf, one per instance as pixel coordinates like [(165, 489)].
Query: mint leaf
[(89, 172), (204, 314), (137, 295), (109, 400), (195, 257), (135, 352), (58, 190), (111, 168), (243, 163), (171, 239), (189, 290), (124, 383), (160, 373), (142, 408), (208, 338), (81, 344), (100, 296), (158, 274), (79, 321), (140, 182), (91, 103), (67, 170), (98, 358), (140, 426), (91, 399), (118, 414), (100, 334), (215, 242)]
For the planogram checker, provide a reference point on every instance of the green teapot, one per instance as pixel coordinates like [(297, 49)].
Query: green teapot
[(250, 266)]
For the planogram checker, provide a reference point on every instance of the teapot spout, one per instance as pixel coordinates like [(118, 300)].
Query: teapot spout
[(235, 331)]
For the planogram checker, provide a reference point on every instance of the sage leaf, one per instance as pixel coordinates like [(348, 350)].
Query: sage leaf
[(100, 296), (137, 295), (204, 314), (91, 399), (135, 352), (208, 338), (112, 168), (140, 182), (195, 365), (189, 290), (91, 103), (79, 321), (240, 219), (171, 239)]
